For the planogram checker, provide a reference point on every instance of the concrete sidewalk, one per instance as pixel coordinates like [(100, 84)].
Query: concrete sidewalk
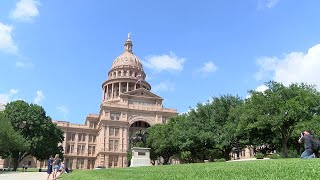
[(24, 176)]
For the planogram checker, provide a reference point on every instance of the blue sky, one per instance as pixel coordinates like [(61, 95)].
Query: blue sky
[(58, 53)]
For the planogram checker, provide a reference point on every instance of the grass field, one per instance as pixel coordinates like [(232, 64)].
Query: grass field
[(261, 169)]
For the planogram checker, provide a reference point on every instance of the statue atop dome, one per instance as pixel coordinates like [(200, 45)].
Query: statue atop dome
[(128, 44)]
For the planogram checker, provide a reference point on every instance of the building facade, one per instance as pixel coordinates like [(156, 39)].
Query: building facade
[(127, 106)]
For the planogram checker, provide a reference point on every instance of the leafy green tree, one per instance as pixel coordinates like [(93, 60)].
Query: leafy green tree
[(279, 110), (210, 126), (31, 122), (162, 139), (10, 140)]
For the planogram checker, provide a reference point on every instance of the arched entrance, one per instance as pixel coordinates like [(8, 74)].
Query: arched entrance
[(137, 126)]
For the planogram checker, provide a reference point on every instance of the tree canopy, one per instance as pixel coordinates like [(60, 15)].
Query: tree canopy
[(10, 140), (278, 111), (31, 121), (274, 117)]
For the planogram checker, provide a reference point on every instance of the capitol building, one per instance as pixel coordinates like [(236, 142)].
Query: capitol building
[(127, 106)]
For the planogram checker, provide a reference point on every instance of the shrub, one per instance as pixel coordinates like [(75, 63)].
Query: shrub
[(221, 160), (259, 156), (274, 156)]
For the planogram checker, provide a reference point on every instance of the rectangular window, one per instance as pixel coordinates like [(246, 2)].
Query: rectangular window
[(68, 149), (78, 149), (81, 137), (92, 138), (80, 163), (69, 163), (89, 164), (82, 149), (115, 161), (110, 145), (116, 143), (111, 131), (68, 137), (116, 132), (72, 149), (115, 116), (89, 150), (93, 150), (110, 161)]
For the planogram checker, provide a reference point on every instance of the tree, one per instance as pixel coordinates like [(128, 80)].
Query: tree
[(224, 120), (31, 122), (161, 139), (280, 110), (208, 127), (10, 140)]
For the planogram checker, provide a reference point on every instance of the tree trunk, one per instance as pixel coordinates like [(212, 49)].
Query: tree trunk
[(227, 152), (285, 146), (166, 160), (15, 163)]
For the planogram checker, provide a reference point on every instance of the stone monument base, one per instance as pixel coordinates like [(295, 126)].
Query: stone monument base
[(140, 157)]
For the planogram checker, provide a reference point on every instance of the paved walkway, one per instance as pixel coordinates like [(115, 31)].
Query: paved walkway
[(24, 176)]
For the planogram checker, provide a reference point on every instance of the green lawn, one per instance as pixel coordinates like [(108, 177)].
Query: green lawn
[(262, 169)]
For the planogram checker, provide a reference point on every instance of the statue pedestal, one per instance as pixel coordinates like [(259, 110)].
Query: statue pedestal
[(140, 157)]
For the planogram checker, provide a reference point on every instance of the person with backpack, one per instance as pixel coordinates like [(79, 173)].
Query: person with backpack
[(56, 166), (49, 171), (307, 139)]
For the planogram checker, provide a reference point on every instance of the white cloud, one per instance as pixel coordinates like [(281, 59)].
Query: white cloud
[(262, 88), (267, 4), (169, 62), (40, 96), (271, 3), (294, 67), (25, 10), (7, 97), (6, 42), (208, 67), (165, 86), (64, 110), (24, 65)]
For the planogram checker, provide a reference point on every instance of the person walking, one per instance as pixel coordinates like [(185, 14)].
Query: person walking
[(306, 139), (56, 165), (49, 171)]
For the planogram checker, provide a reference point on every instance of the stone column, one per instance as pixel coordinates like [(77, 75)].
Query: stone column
[(74, 163), (76, 143), (106, 162), (127, 86), (85, 163), (87, 144), (106, 143), (107, 91), (120, 140), (112, 95), (119, 88), (65, 142), (125, 138)]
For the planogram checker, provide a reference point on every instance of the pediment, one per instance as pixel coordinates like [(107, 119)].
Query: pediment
[(141, 93)]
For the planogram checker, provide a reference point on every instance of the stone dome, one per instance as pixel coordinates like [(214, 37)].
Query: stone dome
[(127, 59)]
